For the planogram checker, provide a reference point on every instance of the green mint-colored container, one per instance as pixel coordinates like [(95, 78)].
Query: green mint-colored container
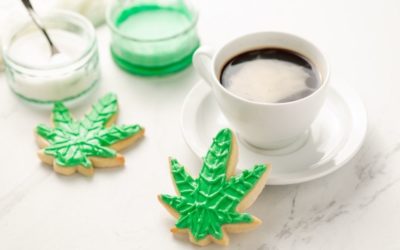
[(152, 38)]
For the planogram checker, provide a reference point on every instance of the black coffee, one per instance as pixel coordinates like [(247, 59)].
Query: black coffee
[(270, 75)]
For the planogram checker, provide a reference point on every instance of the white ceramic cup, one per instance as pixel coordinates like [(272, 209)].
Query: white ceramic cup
[(264, 125)]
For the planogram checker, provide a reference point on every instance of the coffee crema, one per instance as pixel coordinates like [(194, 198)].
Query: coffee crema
[(270, 75)]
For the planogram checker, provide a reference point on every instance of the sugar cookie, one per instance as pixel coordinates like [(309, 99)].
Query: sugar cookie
[(71, 145), (211, 206)]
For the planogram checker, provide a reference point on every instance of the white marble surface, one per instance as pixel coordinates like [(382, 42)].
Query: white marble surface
[(356, 207)]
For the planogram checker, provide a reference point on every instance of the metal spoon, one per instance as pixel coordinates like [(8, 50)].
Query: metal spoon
[(38, 23)]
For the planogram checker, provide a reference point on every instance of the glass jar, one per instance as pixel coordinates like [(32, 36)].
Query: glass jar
[(38, 77), (152, 37)]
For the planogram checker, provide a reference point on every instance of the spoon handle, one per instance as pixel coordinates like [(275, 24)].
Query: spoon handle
[(39, 24)]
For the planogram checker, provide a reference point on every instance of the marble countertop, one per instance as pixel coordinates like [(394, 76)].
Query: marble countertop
[(353, 208)]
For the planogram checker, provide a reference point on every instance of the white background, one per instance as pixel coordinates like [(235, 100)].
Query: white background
[(356, 207)]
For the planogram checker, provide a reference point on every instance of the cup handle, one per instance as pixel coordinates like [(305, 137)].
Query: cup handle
[(202, 63)]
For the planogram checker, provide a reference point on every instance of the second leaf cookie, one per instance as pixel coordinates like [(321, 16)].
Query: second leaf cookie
[(71, 145), (209, 207)]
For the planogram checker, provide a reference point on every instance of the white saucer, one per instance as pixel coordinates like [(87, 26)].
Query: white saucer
[(333, 139)]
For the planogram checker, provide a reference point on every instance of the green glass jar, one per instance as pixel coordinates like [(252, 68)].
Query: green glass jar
[(152, 38)]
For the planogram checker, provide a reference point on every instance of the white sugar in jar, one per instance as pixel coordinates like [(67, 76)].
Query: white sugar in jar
[(35, 75)]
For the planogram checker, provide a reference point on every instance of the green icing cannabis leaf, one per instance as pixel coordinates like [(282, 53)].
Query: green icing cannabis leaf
[(72, 142), (207, 203)]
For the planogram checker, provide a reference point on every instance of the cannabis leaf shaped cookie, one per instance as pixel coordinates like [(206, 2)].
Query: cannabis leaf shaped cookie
[(72, 145), (209, 207)]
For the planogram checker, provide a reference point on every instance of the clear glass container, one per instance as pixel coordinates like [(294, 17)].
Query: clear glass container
[(152, 37), (36, 76)]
